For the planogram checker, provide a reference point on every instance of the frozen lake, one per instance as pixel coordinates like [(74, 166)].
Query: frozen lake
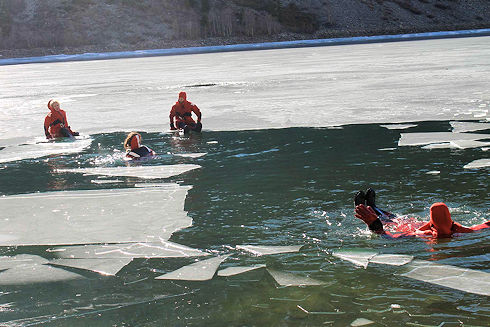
[(250, 223)]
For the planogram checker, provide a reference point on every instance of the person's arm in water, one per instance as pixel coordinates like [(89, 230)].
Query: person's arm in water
[(67, 125)]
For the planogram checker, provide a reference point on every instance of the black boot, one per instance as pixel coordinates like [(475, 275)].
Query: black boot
[(360, 198), (370, 198)]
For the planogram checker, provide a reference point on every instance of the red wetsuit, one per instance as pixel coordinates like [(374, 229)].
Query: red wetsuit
[(55, 122), (440, 225), (137, 150), (182, 112)]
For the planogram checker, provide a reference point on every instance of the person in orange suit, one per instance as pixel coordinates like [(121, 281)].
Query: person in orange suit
[(440, 224), (55, 123), (134, 149), (181, 112)]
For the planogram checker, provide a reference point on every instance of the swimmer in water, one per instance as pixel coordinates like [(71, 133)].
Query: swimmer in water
[(440, 224), (55, 123), (134, 149)]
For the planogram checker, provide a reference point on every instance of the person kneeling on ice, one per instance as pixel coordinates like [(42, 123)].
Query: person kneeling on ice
[(440, 224), (55, 123), (134, 149), (182, 112)]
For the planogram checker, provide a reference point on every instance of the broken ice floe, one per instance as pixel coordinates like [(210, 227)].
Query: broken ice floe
[(163, 249), (43, 149), (461, 127), (145, 172), (361, 322), (93, 216), (190, 155), (27, 269), (457, 144), (288, 279), (231, 271), (466, 280), (413, 139), (480, 163), (266, 250), (198, 271), (102, 266), (398, 126)]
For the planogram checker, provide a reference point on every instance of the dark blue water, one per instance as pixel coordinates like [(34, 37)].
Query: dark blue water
[(272, 187)]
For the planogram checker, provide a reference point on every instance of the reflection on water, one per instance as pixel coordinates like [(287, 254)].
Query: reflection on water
[(281, 187)]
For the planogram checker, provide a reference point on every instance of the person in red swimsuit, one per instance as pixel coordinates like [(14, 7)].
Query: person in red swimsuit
[(182, 113), (440, 224), (134, 149), (55, 123)]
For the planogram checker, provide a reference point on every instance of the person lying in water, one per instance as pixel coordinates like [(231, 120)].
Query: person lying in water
[(55, 123), (134, 149), (181, 112), (440, 224)]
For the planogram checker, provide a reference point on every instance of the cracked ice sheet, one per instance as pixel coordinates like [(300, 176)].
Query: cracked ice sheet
[(28, 269), (363, 258), (398, 126), (458, 144), (108, 267), (288, 279), (412, 139), (43, 148), (480, 163), (231, 271), (266, 250), (461, 127), (145, 172), (466, 280), (198, 271), (93, 216), (162, 249)]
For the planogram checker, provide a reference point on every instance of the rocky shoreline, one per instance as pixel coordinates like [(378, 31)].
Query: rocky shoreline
[(216, 41), (30, 28)]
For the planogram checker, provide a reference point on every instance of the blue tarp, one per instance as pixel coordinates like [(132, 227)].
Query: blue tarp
[(246, 47)]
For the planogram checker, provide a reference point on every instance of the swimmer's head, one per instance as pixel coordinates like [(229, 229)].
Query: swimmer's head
[(54, 105), (182, 97), (440, 220)]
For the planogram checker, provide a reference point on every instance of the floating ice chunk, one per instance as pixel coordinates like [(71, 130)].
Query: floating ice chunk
[(198, 271), (93, 216), (102, 266), (288, 279), (480, 163), (466, 280), (231, 271), (457, 144), (461, 127), (361, 322), (433, 172), (265, 250), (392, 259), (43, 149), (357, 257), (28, 269), (146, 172), (190, 155), (411, 139), (398, 126), (163, 249)]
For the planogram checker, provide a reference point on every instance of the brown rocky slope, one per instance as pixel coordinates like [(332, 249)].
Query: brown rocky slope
[(42, 27)]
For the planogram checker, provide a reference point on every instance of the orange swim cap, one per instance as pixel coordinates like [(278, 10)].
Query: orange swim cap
[(440, 219)]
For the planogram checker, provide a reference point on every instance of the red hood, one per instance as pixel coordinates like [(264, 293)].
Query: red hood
[(440, 218), (183, 95)]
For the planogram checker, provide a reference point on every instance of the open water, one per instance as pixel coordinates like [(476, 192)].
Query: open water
[(290, 186)]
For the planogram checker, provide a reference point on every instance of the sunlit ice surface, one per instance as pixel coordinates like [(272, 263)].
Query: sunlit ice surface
[(270, 206)]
